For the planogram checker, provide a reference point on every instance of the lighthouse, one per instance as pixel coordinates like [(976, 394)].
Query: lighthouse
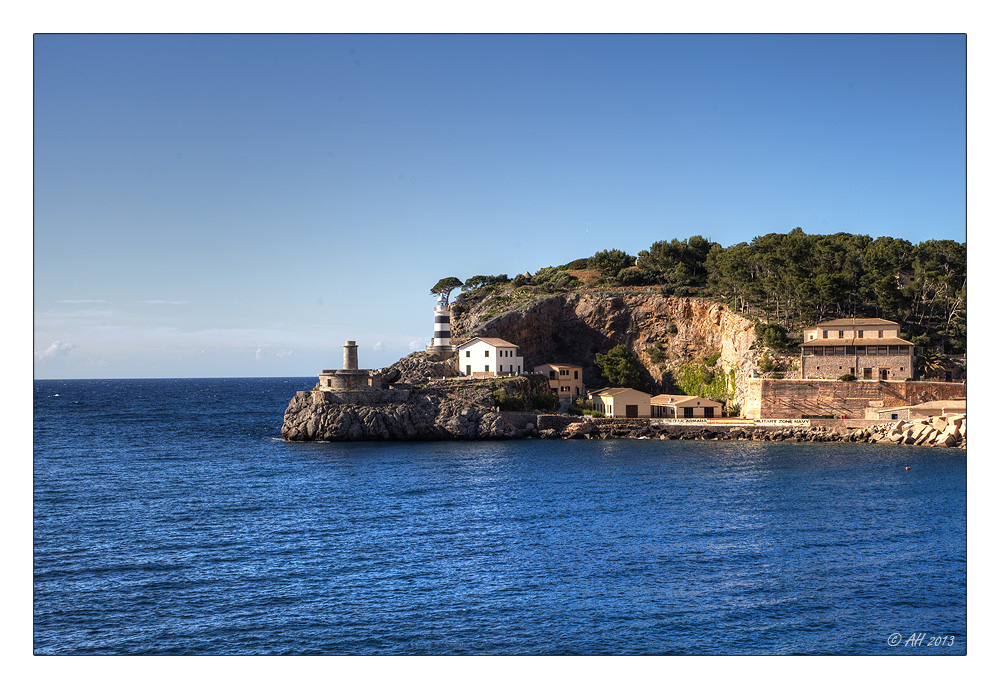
[(442, 326)]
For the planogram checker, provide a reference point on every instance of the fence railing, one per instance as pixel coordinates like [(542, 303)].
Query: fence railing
[(730, 421)]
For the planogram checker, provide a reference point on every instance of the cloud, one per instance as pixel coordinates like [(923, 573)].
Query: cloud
[(418, 345), (378, 347), (162, 301), (263, 352), (56, 349), (81, 301)]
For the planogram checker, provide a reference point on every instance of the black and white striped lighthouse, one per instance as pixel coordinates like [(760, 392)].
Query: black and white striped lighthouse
[(442, 326)]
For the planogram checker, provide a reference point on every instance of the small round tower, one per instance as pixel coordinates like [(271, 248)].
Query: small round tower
[(348, 378), (350, 355)]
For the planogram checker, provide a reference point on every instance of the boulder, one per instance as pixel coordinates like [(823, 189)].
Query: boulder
[(945, 440)]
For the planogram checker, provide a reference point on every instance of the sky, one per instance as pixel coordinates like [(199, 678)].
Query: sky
[(240, 205)]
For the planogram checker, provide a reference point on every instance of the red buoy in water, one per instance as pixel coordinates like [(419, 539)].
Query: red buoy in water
[(907, 468)]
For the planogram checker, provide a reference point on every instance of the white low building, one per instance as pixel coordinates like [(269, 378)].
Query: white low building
[(488, 357)]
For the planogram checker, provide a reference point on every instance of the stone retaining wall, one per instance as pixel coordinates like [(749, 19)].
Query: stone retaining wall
[(520, 419), (792, 399)]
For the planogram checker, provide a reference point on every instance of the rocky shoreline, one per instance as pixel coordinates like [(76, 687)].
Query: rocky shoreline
[(942, 431)]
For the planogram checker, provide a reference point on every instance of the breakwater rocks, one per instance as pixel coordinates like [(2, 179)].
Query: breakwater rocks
[(942, 431)]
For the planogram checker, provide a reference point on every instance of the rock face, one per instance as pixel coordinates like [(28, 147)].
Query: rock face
[(455, 410), (419, 368), (572, 328)]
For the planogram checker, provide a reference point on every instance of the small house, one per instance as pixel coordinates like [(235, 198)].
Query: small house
[(621, 403), (684, 407)]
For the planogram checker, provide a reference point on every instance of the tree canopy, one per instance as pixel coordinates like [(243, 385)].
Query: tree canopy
[(444, 287), (620, 367), (795, 279)]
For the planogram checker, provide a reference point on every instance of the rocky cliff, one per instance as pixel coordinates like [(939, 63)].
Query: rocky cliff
[(418, 405), (665, 333)]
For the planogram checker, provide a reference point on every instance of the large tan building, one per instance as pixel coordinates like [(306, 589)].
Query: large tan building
[(565, 380), (866, 348), (621, 403)]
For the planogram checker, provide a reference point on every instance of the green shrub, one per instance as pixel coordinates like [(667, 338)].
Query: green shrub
[(848, 377), (619, 367), (772, 335), (655, 352), (508, 402), (767, 365), (610, 263), (698, 380), (545, 402), (711, 359)]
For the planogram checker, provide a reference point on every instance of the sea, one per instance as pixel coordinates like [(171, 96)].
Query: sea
[(170, 518)]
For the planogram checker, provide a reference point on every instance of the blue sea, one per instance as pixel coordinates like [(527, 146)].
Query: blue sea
[(170, 518)]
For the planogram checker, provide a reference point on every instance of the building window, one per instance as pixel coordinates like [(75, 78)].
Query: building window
[(576, 375), (840, 334), (486, 353), (826, 334), (468, 352), (880, 333), (487, 368)]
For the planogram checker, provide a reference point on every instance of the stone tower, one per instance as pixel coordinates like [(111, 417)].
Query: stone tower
[(348, 378), (350, 355)]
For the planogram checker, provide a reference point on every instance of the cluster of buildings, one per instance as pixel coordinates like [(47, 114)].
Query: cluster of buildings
[(866, 349), (849, 348)]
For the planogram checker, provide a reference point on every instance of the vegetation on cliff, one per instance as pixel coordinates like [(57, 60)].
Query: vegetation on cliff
[(790, 280)]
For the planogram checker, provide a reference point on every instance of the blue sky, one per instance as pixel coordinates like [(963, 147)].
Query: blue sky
[(240, 205)]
